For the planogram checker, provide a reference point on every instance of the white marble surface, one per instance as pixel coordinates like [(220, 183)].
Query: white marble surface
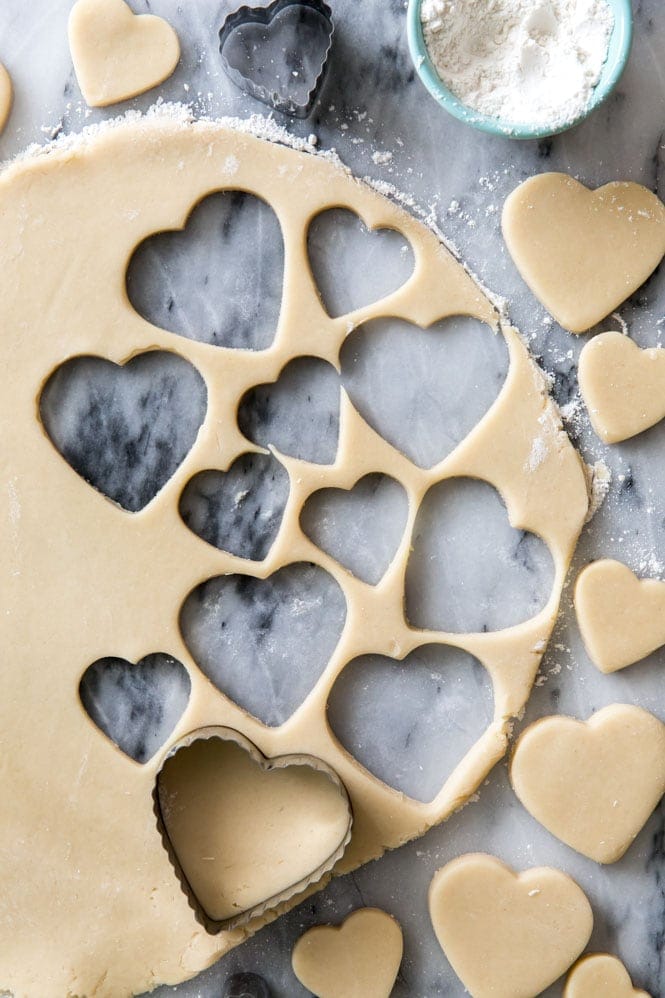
[(372, 106)]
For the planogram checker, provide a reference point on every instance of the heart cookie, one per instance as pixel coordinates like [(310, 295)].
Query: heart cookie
[(6, 96), (600, 975), (623, 386), (592, 784), (358, 959), (621, 618), (507, 934), (118, 54), (245, 832), (583, 252)]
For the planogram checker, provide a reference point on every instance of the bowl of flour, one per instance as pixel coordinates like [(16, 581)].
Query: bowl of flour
[(522, 68)]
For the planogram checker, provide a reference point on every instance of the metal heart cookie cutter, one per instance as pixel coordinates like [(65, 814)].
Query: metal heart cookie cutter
[(279, 53), (244, 831)]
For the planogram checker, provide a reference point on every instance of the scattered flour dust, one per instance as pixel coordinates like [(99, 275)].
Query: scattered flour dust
[(527, 62)]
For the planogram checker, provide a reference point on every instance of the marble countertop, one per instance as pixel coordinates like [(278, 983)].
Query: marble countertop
[(378, 117)]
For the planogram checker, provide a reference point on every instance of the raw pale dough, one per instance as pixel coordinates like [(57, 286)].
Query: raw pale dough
[(583, 252), (621, 618), (623, 386), (247, 831), (118, 54), (600, 975), (89, 897), (507, 935), (6, 96), (358, 959), (592, 784)]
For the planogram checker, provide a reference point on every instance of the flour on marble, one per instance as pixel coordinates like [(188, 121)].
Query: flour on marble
[(527, 62)]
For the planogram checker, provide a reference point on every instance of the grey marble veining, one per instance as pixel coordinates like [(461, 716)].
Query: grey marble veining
[(379, 118)]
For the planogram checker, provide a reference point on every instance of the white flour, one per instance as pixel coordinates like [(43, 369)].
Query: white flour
[(528, 62)]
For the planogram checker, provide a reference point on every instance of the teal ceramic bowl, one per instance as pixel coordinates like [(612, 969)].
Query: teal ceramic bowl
[(617, 56)]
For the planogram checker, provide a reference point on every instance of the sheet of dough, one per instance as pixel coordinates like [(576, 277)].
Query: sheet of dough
[(89, 901)]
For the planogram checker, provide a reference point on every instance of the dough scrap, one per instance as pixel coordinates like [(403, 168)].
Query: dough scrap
[(248, 832), (583, 252), (6, 96), (600, 975), (592, 783), (623, 386), (118, 54), (507, 934), (358, 959), (621, 618), (69, 223)]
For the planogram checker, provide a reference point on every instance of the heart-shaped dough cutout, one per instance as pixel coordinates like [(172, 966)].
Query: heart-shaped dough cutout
[(600, 975), (583, 252), (623, 386), (358, 959), (621, 618), (118, 54), (507, 934), (592, 784), (136, 706), (245, 832), (6, 96)]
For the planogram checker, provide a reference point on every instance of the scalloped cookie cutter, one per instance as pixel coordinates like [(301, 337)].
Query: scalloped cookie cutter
[(90, 206), (244, 832), (250, 29)]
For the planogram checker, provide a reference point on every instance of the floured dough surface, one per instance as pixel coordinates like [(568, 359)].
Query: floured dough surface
[(623, 386), (507, 934), (621, 618), (600, 975), (118, 54), (81, 853), (583, 252), (6, 96), (358, 959), (592, 784)]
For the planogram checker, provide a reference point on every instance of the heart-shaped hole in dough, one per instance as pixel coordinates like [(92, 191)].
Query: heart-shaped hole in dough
[(217, 280), (298, 414), (352, 265), (469, 569), (245, 832), (125, 429), (424, 390), (239, 510), (362, 527), (136, 706), (253, 638), (411, 722)]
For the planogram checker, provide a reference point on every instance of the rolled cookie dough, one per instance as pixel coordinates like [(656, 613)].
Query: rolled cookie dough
[(506, 934), (621, 618), (118, 54), (358, 959), (583, 252), (592, 784), (6, 96), (89, 897)]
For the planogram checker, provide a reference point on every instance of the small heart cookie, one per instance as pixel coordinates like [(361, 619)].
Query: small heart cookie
[(600, 975), (583, 252), (592, 784), (358, 959), (118, 54), (623, 386), (6, 96), (621, 618), (507, 934)]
